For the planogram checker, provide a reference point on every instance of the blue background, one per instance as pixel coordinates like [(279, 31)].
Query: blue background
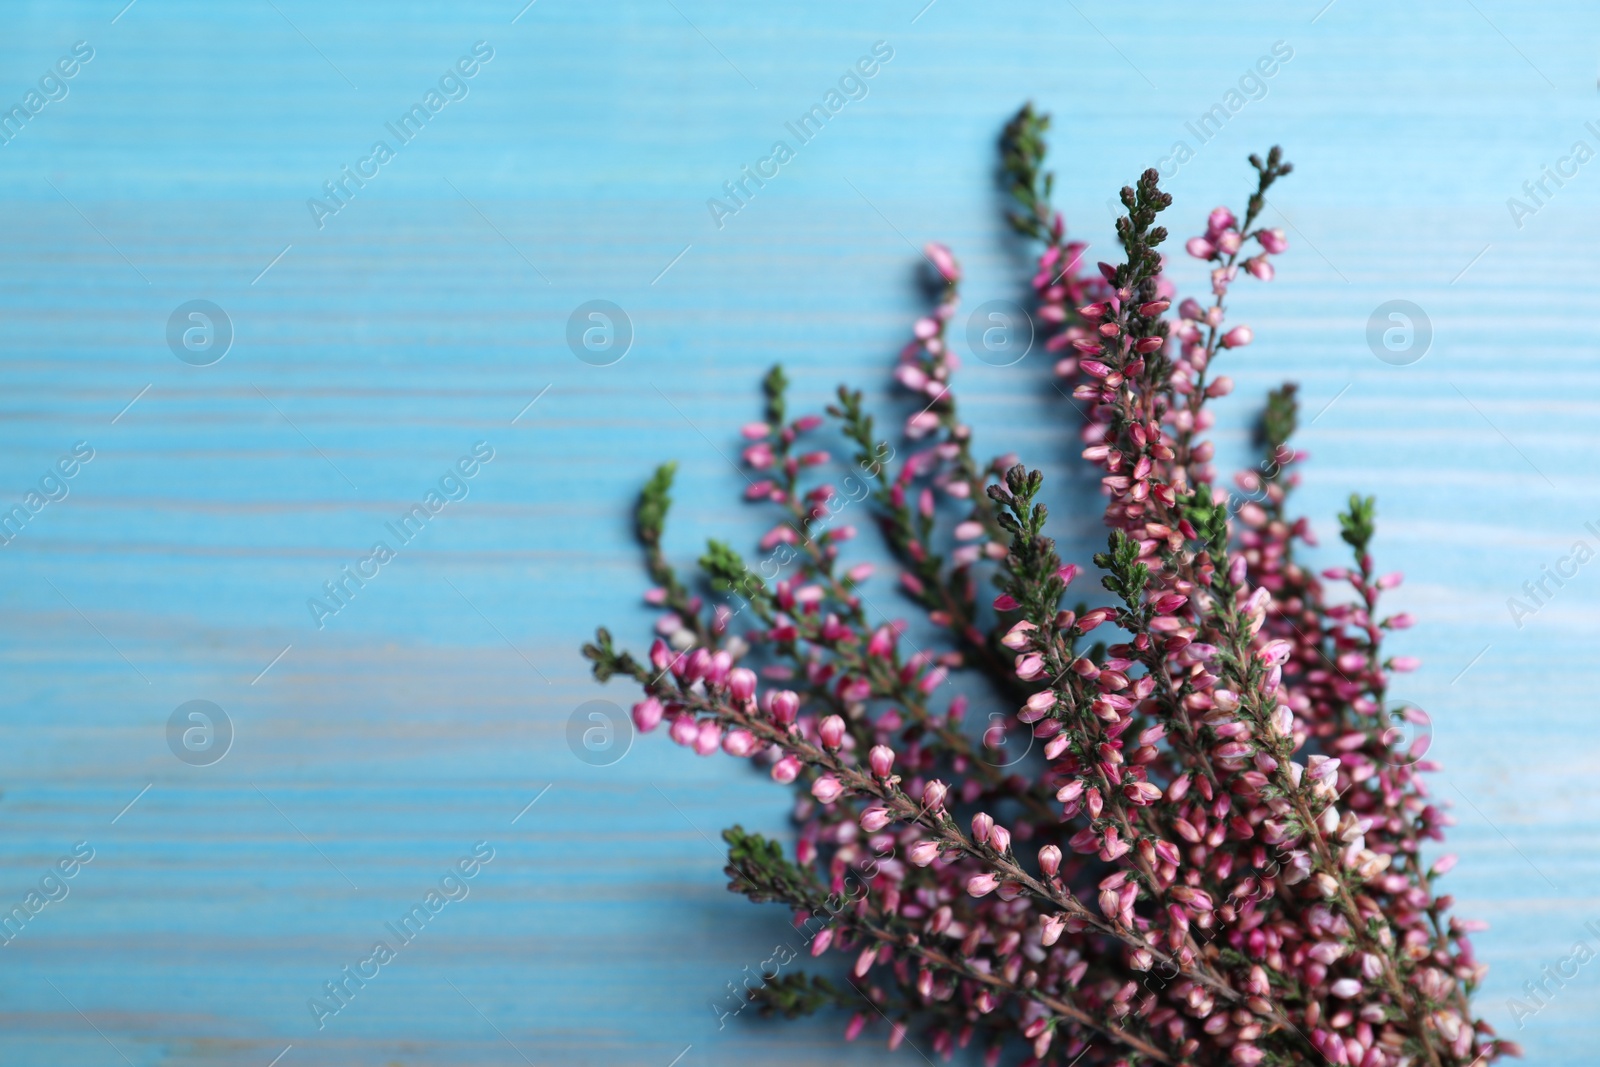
[(371, 353)]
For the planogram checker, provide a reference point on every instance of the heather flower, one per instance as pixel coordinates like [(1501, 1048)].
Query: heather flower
[(1228, 842)]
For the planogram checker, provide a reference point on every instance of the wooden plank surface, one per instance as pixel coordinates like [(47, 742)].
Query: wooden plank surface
[(369, 355)]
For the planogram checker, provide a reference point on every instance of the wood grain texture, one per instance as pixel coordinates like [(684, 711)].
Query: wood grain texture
[(426, 314)]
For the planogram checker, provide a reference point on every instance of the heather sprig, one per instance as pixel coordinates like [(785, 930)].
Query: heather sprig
[(1213, 854)]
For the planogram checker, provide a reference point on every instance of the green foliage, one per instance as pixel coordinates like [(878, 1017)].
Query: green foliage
[(1278, 420), (1144, 201), (607, 661), (655, 500), (757, 868), (1125, 576), (1274, 168), (1209, 519), (1031, 566), (1022, 152), (797, 993), (1357, 525), (776, 386), (726, 571), (858, 429)]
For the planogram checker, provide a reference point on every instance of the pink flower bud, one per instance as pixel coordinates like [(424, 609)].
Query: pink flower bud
[(1049, 860), (1238, 337), (875, 819), (1346, 988), (1200, 248), (933, 795), (981, 885), (708, 738), (1039, 704), (831, 731), (924, 852), (1050, 929), (1321, 767), (999, 838), (1275, 653), (943, 261), (1273, 241), (827, 789), (685, 730), (647, 714), (742, 683), (1017, 637), (786, 770), (740, 742), (783, 705), (982, 824), (1030, 666), (881, 759)]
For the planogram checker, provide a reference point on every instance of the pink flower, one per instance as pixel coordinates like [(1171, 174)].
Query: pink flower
[(783, 705), (1049, 860), (942, 261), (1017, 636), (1274, 653), (685, 730), (875, 819), (831, 730), (740, 742), (1273, 241), (827, 789), (742, 684), (1237, 337), (881, 760), (647, 714), (786, 770), (982, 884), (924, 852), (982, 825)]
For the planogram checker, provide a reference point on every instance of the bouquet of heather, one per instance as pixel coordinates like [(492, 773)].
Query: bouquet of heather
[(1211, 851)]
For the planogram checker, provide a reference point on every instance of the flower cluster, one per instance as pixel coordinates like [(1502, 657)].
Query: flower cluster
[(1209, 851)]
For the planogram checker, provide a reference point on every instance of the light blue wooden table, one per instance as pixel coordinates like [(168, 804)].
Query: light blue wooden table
[(430, 310)]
